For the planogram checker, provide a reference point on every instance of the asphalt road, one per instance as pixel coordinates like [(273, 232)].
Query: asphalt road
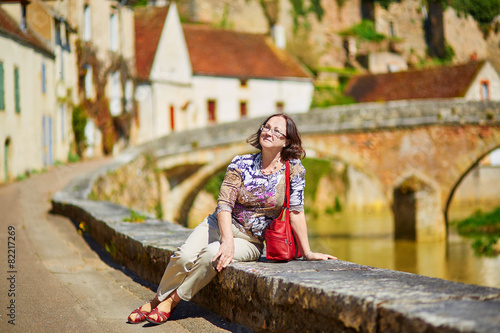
[(60, 281)]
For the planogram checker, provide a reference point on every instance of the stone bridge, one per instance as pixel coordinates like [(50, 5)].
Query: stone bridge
[(418, 152)]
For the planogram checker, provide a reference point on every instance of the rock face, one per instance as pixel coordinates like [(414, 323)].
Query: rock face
[(298, 296)]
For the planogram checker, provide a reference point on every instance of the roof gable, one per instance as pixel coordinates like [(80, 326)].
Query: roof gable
[(218, 52), (9, 27), (149, 22), (439, 82)]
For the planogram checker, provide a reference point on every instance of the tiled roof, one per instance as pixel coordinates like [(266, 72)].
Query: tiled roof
[(149, 23), (9, 27), (218, 52), (439, 82)]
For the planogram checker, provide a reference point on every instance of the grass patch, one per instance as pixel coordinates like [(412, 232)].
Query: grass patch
[(213, 185), (135, 217), (485, 229), (480, 223)]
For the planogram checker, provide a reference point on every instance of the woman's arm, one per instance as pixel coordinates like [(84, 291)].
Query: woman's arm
[(226, 251), (298, 222)]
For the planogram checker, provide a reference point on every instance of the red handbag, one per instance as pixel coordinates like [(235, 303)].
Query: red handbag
[(280, 240)]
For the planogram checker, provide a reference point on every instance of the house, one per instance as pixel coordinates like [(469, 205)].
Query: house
[(476, 80), (104, 48), (27, 99), (191, 76)]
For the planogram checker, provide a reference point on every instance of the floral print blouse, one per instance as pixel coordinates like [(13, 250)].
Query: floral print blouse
[(255, 199)]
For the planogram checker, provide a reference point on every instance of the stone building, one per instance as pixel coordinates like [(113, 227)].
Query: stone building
[(27, 98), (75, 53), (319, 44), (476, 80), (191, 76)]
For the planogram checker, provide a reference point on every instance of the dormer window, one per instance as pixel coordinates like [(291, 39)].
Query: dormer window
[(87, 24), (485, 90)]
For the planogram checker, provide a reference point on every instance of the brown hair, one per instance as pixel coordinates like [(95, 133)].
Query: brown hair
[(293, 148)]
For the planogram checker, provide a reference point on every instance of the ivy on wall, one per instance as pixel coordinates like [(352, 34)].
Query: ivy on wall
[(98, 108)]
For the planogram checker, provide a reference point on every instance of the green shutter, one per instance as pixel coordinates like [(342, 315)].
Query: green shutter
[(17, 92), (2, 93)]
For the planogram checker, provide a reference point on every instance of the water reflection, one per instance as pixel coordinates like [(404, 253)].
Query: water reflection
[(366, 239)]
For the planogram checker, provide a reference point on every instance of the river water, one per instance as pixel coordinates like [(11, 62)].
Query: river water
[(366, 239)]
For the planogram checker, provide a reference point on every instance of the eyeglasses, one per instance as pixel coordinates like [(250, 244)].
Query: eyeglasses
[(274, 132)]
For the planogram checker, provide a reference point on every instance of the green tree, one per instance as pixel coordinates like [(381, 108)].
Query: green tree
[(301, 8), (484, 11)]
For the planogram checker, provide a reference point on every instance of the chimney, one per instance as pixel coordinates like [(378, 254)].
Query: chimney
[(22, 24), (278, 35)]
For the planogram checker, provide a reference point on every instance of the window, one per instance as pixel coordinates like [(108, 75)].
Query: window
[(280, 107), (63, 119), (172, 117), (243, 109), (392, 32), (485, 90), (2, 89), (44, 79), (88, 81), (211, 111), (243, 83), (115, 105), (58, 32), (17, 93), (113, 32), (61, 65), (87, 24)]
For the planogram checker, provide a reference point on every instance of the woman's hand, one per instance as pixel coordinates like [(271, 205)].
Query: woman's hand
[(225, 255), (319, 256)]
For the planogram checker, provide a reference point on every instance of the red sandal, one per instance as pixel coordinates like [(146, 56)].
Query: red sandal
[(161, 317), (141, 316)]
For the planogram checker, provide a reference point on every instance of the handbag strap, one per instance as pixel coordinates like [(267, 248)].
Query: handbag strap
[(287, 195)]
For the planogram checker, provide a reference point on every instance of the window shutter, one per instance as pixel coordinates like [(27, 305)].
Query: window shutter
[(16, 90), (2, 91), (44, 78)]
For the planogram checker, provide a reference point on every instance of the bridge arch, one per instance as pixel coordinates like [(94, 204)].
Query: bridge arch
[(437, 142), (178, 199), (459, 181), (416, 207)]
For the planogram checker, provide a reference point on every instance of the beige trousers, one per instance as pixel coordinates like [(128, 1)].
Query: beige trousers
[(190, 267)]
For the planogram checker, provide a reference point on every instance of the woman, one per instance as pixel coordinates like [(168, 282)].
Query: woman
[(251, 196)]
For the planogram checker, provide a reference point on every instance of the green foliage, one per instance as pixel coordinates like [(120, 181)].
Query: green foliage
[(486, 245), (386, 3), (365, 30), (325, 96), (135, 217), (301, 8), (21, 177), (79, 121), (315, 169), (72, 157), (484, 11), (213, 185), (485, 228), (480, 223), (139, 3)]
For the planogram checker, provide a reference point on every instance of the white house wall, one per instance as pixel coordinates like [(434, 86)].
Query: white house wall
[(144, 98), (489, 74), (25, 129), (261, 96), (171, 63)]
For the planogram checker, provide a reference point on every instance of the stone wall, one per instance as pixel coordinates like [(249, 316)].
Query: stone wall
[(298, 296), (135, 185)]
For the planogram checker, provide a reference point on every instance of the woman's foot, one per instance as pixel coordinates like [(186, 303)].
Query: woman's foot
[(140, 314), (163, 310)]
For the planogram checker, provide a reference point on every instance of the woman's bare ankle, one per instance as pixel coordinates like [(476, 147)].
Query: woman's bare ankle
[(149, 306)]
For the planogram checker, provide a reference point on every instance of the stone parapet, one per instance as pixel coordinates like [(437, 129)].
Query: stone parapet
[(332, 296), (340, 119)]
